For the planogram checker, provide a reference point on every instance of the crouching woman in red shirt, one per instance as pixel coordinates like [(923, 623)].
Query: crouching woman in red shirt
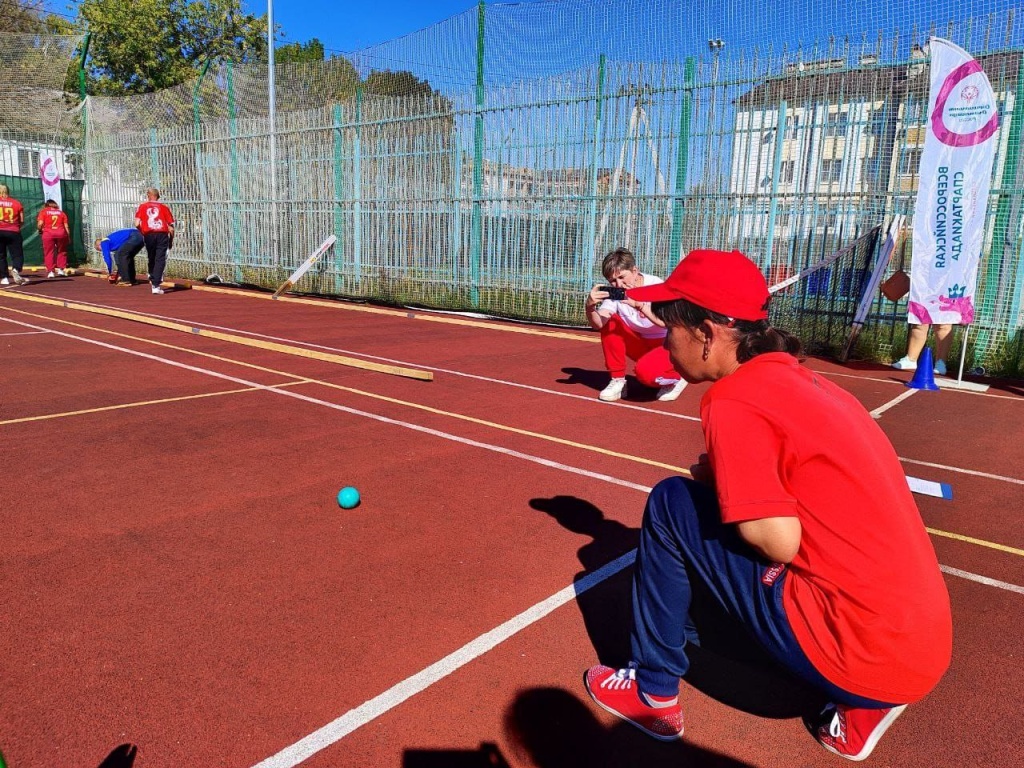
[(799, 523)]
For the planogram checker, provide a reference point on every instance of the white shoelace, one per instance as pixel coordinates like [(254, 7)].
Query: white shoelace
[(621, 680)]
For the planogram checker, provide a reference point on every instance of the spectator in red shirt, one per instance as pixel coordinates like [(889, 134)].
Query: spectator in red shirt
[(52, 224), (155, 221), (12, 217), (798, 523)]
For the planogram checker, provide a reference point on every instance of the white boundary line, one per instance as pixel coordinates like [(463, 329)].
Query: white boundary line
[(895, 401), (982, 579), (393, 361), (355, 718), (988, 475), (341, 727), (23, 333)]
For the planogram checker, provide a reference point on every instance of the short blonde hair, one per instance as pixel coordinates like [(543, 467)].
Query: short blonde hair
[(4, 191)]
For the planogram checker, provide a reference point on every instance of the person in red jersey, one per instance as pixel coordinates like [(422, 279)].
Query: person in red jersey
[(798, 524), (52, 224), (155, 221), (12, 217)]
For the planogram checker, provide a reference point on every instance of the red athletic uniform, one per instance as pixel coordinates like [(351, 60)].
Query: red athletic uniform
[(865, 597), (154, 217), (52, 224), (11, 212)]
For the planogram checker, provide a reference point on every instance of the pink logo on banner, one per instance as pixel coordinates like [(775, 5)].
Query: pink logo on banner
[(968, 94), (48, 173)]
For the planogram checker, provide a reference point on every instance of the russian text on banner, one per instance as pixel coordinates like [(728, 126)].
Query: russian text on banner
[(953, 189)]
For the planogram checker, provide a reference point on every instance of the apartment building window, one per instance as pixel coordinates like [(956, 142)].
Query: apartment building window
[(831, 171), (792, 126), (910, 161), (28, 162), (914, 112), (786, 169), (836, 123)]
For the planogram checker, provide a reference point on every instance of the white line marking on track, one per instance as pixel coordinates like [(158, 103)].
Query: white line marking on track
[(982, 579), (23, 333), (338, 729), (974, 472), (895, 401), (363, 714), (393, 361)]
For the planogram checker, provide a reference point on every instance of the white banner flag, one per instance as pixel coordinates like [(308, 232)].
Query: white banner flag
[(50, 176), (956, 168)]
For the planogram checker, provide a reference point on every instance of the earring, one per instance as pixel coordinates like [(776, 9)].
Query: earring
[(707, 348)]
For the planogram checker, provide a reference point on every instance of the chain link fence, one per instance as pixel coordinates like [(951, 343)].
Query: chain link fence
[(487, 163)]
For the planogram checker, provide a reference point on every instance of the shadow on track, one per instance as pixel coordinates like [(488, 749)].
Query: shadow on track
[(554, 729), (728, 666)]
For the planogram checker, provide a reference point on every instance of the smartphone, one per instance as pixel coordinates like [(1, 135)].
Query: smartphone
[(615, 294)]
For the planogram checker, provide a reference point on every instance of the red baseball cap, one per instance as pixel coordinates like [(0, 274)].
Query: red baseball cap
[(726, 282)]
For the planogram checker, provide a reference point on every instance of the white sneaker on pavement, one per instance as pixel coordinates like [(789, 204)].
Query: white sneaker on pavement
[(905, 364), (615, 390), (670, 392), (158, 289)]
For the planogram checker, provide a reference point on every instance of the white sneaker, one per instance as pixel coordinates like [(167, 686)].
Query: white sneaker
[(61, 273), (158, 289), (670, 392), (615, 390), (18, 278), (905, 364), (940, 367), (50, 275), (5, 281)]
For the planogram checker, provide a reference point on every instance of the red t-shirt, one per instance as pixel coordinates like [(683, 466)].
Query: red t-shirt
[(53, 222), (154, 217), (864, 596), (11, 213)]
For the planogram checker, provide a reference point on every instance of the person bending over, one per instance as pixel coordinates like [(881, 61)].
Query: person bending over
[(798, 523), (119, 249), (630, 329)]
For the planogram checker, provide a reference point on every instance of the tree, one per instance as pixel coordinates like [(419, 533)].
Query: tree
[(293, 53), (384, 82), (148, 45)]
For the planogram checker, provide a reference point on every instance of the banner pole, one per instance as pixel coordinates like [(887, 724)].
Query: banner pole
[(963, 356)]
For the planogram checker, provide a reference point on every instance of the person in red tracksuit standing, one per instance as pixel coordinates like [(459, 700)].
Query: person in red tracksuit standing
[(55, 232), (12, 216), (156, 222)]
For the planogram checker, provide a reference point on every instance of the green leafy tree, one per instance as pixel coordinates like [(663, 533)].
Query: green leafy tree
[(293, 53), (384, 82), (147, 45)]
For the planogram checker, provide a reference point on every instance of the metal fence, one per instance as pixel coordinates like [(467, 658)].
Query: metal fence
[(489, 162)]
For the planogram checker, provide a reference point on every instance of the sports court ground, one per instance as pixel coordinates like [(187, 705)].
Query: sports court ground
[(177, 572)]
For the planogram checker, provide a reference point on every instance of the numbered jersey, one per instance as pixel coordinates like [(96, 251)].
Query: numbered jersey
[(52, 222), (154, 217), (11, 214)]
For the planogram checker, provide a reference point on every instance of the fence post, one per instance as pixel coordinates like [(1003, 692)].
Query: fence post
[(339, 195), (357, 186), (682, 158), (85, 148), (592, 222), (236, 216), (476, 227), (780, 134), (1009, 202), (200, 176)]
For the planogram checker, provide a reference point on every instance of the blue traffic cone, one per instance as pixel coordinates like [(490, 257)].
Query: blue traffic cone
[(924, 376)]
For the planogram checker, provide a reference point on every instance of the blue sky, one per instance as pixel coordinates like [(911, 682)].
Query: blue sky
[(355, 25)]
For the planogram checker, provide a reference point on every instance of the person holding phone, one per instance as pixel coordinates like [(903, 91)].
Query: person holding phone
[(629, 329)]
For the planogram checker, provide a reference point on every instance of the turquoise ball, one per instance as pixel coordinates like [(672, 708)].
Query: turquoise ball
[(348, 497)]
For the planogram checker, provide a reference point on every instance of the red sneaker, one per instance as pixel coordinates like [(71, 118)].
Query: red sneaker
[(853, 733), (616, 691)]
